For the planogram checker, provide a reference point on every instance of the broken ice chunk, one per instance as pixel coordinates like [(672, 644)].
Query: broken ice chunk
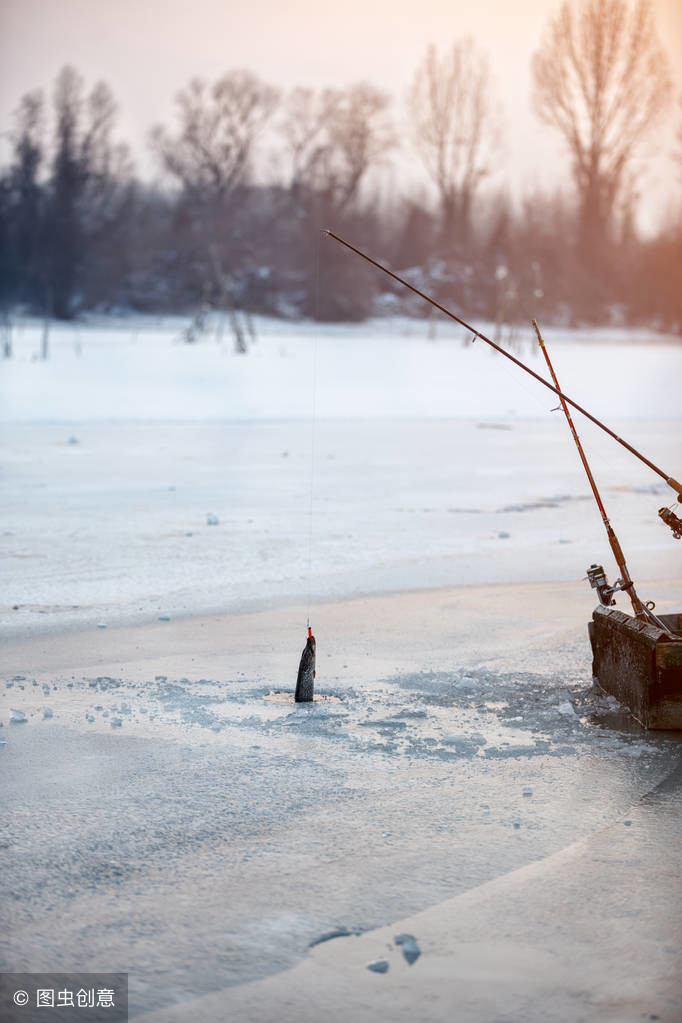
[(464, 743), (409, 947), (17, 717), (566, 708)]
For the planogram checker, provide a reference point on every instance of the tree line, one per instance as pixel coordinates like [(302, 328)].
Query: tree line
[(249, 175)]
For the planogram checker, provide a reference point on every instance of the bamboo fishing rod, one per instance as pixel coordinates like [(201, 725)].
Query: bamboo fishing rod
[(670, 480), (626, 582)]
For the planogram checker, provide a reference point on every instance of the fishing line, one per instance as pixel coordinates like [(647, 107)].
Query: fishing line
[(305, 681), (313, 421)]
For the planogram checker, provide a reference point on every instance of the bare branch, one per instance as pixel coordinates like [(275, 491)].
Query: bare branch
[(601, 79), (455, 125), (335, 137), (218, 127)]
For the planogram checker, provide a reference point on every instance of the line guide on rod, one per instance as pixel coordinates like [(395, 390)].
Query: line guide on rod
[(670, 480)]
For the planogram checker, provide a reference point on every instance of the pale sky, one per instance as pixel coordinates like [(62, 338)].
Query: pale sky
[(148, 49)]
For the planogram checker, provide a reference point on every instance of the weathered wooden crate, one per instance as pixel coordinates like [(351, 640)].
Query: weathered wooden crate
[(639, 664)]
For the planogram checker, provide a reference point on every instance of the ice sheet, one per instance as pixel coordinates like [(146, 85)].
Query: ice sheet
[(148, 478)]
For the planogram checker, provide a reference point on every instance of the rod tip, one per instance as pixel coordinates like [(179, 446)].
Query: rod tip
[(537, 332)]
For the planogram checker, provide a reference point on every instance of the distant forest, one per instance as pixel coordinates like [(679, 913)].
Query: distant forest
[(248, 176)]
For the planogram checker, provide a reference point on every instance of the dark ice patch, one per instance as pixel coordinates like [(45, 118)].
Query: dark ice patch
[(338, 932)]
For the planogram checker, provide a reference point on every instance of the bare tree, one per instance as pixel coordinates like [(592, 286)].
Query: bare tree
[(307, 115), (210, 154), (27, 138), (67, 183), (334, 141), (210, 157), (107, 163), (360, 134), (87, 189), (601, 79), (455, 126), (334, 138), (25, 193)]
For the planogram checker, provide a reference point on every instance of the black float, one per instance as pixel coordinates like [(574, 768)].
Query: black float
[(305, 683)]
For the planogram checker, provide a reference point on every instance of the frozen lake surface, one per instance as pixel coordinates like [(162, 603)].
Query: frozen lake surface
[(145, 477), (171, 811), (203, 831)]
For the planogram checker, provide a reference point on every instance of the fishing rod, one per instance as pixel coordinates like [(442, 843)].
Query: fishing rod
[(670, 480), (625, 583), (595, 573)]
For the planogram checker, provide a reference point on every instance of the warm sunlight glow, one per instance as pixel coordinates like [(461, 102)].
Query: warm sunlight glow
[(148, 50)]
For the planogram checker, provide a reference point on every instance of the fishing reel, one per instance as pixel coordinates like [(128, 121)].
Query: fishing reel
[(597, 579), (672, 520)]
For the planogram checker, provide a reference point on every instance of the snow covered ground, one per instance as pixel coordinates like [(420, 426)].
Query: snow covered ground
[(139, 370), (144, 477)]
